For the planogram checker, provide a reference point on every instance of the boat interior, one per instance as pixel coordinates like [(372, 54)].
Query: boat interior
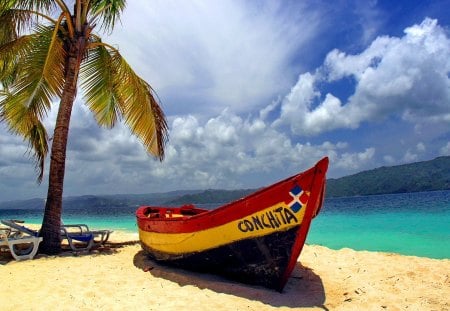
[(173, 212)]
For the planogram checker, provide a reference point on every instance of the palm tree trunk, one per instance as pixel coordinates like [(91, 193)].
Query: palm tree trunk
[(51, 224)]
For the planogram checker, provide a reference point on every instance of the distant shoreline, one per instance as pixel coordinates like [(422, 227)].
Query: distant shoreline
[(424, 176), (109, 200)]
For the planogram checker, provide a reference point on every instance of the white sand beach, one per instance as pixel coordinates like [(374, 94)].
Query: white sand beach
[(120, 277)]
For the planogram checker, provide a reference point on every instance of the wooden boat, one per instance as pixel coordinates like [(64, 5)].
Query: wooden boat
[(255, 240)]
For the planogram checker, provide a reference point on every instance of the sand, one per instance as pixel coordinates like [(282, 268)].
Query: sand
[(120, 277)]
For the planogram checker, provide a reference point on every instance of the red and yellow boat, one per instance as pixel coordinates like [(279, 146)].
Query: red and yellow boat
[(255, 240)]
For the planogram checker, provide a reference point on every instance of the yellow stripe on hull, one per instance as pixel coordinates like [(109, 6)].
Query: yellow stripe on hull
[(279, 217)]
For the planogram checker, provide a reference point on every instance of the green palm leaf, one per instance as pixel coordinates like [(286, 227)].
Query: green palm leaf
[(10, 54), (17, 19), (98, 85), (113, 90), (13, 22), (45, 6), (37, 138), (28, 126), (108, 11), (40, 74), (38, 79)]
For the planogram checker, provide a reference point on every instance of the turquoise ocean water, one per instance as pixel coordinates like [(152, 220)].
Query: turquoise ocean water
[(409, 224)]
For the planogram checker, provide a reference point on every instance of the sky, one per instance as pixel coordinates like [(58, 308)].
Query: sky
[(256, 91)]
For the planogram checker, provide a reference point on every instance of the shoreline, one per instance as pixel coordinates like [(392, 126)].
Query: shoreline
[(125, 232), (120, 276)]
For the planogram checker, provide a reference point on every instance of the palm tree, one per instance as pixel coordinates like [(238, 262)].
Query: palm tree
[(46, 52)]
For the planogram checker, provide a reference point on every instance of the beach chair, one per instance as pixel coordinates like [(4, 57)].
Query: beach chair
[(78, 240), (100, 236), (22, 242), (78, 237)]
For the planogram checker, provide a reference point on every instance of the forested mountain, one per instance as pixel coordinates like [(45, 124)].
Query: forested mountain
[(414, 177), (100, 201)]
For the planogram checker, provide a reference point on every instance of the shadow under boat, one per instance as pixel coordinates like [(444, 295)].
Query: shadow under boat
[(303, 289)]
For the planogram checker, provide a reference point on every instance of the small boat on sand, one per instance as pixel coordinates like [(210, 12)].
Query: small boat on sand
[(256, 239)]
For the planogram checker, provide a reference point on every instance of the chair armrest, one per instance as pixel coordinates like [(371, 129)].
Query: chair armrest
[(67, 231), (82, 228)]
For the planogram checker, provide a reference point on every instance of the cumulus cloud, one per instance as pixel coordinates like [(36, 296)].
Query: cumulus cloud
[(226, 151), (409, 157), (353, 161), (421, 147), (407, 77), (445, 150)]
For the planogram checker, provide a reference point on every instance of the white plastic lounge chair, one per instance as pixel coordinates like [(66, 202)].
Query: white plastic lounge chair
[(16, 242), (19, 228), (78, 240)]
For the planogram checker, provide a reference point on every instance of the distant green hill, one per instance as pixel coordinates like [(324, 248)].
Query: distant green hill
[(102, 201), (414, 177)]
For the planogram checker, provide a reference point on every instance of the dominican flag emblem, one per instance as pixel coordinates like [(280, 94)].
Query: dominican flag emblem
[(299, 198)]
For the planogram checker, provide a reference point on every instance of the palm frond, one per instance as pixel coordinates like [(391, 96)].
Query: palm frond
[(40, 72), (38, 142), (98, 86), (8, 73), (26, 125), (46, 6), (13, 22), (17, 17), (34, 75), (113, 90), (10, 55), (108, 11), (6, 5), (139, 107)]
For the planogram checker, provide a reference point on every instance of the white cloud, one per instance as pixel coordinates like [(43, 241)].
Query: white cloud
[(354, 161), (407, 76), (217, 54), (226, 151), (445, 150), (369, 17), (421, 147), (389, 159), (409, 157)]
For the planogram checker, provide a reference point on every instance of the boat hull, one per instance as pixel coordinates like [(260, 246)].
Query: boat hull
[(258, 261), (255, 240)]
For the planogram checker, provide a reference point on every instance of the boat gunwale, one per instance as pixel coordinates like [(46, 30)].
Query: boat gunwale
[(190, 221)]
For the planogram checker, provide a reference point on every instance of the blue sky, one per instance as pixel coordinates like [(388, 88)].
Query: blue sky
[(255, 91)]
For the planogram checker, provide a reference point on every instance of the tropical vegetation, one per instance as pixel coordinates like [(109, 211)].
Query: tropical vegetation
[(413, 177), (49, 48)]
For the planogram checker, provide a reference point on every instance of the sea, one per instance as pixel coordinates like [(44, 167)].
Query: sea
[(416, 224)]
